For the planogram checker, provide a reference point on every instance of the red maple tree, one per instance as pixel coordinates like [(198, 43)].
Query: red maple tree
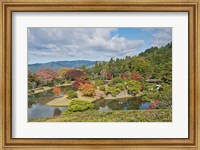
[(46, 74), (79, 82), (136, 76), (75, 73), (109, 75)]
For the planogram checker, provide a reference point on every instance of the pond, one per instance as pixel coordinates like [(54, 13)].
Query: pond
[(37, 107), (135, 103)]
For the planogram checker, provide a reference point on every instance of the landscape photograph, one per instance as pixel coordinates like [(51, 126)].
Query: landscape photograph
[(99, 74)]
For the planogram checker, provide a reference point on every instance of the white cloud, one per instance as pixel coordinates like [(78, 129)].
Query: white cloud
[(77, 43), (162, 37)]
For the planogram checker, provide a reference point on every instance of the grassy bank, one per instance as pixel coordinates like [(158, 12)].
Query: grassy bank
[(162, 115)]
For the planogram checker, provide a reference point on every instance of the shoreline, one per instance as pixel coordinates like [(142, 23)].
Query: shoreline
[(113, 98), (46, 88), (64, 101)]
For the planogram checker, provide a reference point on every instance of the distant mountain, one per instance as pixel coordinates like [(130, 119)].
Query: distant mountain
[(56, 65)]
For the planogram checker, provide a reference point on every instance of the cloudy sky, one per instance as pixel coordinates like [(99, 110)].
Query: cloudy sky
[(58, 44)]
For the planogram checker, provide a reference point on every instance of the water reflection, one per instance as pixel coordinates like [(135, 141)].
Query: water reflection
[(44, 111), (144, 106), (57, 112), (135, 103), (106, 108), (37, 107)]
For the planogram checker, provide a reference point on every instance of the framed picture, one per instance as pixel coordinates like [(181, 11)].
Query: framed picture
[(107, 75)]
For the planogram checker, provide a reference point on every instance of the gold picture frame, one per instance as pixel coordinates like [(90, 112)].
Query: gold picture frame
[(9, 6)]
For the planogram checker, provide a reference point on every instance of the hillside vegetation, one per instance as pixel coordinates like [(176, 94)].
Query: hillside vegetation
[(152, 63), (147, 76)]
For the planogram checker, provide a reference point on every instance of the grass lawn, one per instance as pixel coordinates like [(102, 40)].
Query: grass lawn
[(158, 115)]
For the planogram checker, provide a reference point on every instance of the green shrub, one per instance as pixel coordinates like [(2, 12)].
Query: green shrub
[(71, 94), (102, 88), (116, 81), (121, 86), (79, 106), (133, 86), (99, 82), (113, 90)]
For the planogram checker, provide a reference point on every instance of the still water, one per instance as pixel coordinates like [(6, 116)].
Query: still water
[(44, 111), (121, 104), (37, 107)]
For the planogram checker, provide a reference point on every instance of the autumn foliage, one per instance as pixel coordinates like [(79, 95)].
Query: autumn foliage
[(136, 76), (124, 75), (75, 73), (109, 75), (46, 74), (56, 90), (62, 72), (79, 82), (88, 89)]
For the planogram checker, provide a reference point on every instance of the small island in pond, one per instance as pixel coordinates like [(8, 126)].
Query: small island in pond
[(108, 83)]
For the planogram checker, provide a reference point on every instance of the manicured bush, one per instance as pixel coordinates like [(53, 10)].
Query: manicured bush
[(102, 88), (98, 82), (116, 81), (113, 91), (121, 86), (71, 94), (133, 86), (79, 106)]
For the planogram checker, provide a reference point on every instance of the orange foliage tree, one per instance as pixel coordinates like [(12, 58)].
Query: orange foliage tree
[(56, 90), (63, 71), (87, 89)]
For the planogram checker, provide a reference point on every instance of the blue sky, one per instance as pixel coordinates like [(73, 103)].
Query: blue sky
[(60, 44)]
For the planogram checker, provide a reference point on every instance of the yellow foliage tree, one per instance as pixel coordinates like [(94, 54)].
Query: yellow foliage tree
[(87, 89), (63, 71)]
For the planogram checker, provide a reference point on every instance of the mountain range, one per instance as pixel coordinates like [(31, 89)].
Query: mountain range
[(56, 65)]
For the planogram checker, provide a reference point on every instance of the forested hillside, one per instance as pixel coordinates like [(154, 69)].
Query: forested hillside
[(152, 63)]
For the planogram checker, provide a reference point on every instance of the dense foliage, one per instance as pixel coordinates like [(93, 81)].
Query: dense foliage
[(62, 72), (79, 105), (88, 89), (46, 74), (71, 94), (75, 73), (152, 63)]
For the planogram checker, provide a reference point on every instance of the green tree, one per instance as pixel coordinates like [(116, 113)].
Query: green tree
[(79, 106)]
